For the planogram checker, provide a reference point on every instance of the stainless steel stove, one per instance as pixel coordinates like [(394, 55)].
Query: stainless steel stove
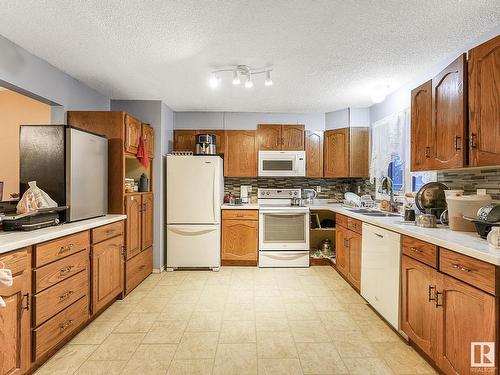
[(283, 229)]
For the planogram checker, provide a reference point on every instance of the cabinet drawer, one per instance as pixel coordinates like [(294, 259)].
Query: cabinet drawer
[(472, 271), (49, 334), (52, 300), (240, 214), (420, 250), (107, 231), (138, 268), (62, 247), (354, 225), (341, 220), (60, 270), (17, 261)]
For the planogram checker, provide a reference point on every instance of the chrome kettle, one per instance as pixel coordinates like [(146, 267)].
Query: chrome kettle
[(326, 246)]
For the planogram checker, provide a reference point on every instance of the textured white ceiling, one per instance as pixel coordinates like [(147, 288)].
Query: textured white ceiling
[(327, 54)]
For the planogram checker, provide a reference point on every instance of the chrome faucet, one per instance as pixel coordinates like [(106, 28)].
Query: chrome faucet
[(386, 188)]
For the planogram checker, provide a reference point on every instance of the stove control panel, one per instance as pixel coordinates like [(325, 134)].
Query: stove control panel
[(278, 193)]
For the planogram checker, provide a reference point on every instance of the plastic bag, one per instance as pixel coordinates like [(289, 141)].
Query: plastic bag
[(33, 199)]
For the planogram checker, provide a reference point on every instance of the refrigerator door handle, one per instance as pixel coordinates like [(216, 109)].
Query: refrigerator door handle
[(214, 193), (191, 232)]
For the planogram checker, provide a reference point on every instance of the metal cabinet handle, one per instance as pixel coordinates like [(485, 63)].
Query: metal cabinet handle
[(65, 325), (66, 295), (431, 288), (460, 267), (65, 248), (427, 152), (416, 250), (472, 140), (437, 294), (458, 141), (65, 270)]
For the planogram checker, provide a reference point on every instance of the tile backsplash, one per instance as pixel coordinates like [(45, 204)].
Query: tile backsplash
[(330, 188), (472, 179)]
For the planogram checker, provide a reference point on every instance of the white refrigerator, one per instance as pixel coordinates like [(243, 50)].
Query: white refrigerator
[(195, 193)]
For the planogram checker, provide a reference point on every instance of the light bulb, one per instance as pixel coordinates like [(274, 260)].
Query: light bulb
[(214, 81), (379, 93), (236, 78), (249, 83), (268, 81)]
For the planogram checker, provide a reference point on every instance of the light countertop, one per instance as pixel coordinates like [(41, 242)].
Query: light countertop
[(467, 243), (247, 206), (18, 239)]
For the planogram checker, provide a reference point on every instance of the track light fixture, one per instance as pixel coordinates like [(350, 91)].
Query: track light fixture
[(238, 72)]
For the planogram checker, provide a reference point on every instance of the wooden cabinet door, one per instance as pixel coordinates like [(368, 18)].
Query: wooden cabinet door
[(484, 103), (133, 233), (240, 240), (147, 220), (269, 137), (292, 137), (133, 129), (314, 153), (15, 336), (336, 151), (354, 274), (240, 158), (418, 310), (148, 135), (449, 116), (107, 272), (465, 315), (342, 250), (184, 140), (421, 124)]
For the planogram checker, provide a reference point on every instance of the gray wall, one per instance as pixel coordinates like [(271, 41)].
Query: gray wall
[(25, 73), (400, 99), (343, 118), (245, 120), (160, 117)]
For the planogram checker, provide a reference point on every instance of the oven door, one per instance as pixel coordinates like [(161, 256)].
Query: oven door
[(282, 163), (284, 229)]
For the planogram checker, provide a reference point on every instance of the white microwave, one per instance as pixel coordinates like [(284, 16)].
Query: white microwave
[(282, 163)]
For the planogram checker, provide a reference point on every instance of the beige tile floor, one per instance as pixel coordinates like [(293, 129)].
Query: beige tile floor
[(239, 321)]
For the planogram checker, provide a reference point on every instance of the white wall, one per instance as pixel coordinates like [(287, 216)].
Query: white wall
[(347, 117), (245, 120), (27, 74), (160, 117)]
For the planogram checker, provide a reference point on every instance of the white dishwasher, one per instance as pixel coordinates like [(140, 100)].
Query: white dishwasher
[(380, 271)]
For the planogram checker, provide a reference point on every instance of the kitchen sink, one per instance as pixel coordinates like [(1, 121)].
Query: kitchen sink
[(380, 214)]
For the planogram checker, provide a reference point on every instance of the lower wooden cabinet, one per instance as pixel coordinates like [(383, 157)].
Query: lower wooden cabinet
[(348, 255), (240, 237), (147, 221), (133, 208), (15, 345), (138, 268), (443, 316), (107, 272)]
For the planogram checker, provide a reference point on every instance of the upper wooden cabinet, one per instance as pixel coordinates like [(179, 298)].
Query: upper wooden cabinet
[(133, 129), (346, 152), (148, 135), (421, 119), (314, 153), (240, 157), (484, 103), (184, 140), (280, 137), (449, 116)]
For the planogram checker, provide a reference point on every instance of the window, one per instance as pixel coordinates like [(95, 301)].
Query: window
[(396, 172)]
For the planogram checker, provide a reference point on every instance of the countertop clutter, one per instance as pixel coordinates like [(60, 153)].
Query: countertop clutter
[(15, 240), (467, 243)]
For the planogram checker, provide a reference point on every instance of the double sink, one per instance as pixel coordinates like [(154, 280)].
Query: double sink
[(366, 212)]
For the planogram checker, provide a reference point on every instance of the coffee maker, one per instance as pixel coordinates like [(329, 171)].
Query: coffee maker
[(206, 144)]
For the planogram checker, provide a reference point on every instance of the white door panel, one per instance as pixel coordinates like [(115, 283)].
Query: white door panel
[(193, 246)]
